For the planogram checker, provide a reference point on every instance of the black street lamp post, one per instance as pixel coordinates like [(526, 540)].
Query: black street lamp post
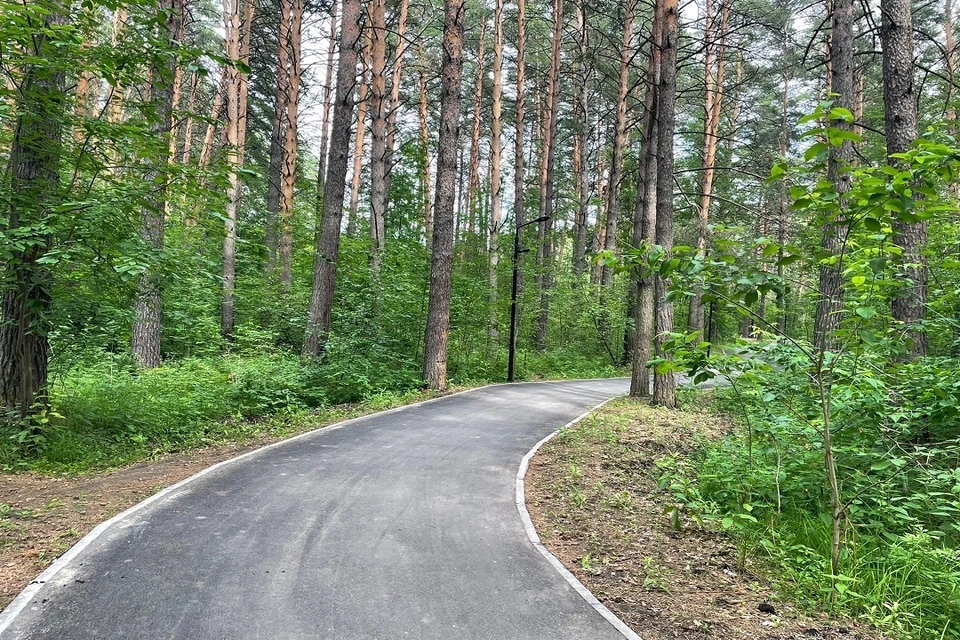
[(517, 250)]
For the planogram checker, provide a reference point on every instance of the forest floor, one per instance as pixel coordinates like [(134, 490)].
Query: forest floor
[(42, 516), (594, 497)]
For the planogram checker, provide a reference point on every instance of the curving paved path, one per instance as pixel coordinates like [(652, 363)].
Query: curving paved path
[(399, 525)]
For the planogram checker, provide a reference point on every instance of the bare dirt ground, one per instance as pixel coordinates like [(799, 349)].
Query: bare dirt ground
[(593, 495), (42, 516)]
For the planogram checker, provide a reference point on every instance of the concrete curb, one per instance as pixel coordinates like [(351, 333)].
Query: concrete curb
[(18, 604), (618, 624)]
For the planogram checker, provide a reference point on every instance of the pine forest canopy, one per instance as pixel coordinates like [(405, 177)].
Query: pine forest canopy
[(266, 204), (174, 169)]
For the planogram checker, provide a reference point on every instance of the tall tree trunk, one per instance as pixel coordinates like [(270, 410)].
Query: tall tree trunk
[(328, 235), (664, 384), (474, 180), (646, 215), (519, 185), (900, 120), (951, 60), (714, 65), (830, 300), (581, 155), (496, 128), (216, 111), (288, 173), (147, 310), (396, 78), (619, 142), (545, 248), (425, 160), (238, 49), (438, 314), (115, 108), (364, 104), (278, 138), (783, 217), (327, 102), (188, 126), (376, 13), (34, 189)]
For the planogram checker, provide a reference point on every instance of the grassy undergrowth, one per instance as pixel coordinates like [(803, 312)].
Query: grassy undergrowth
[(105, 414), (763, 484)]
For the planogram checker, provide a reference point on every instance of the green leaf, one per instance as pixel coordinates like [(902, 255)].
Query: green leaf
[(866, 312)]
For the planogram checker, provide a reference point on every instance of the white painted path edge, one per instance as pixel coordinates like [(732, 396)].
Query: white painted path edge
[(578, 586), (12, 610)]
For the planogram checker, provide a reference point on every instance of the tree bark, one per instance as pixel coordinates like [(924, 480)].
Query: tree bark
[(619, 141), (394, 105), (830, 300), (288, 171), (438, 314), (34, 188), (473, 183), (714, 66), (581, 155), (376, 13), (147, 309), (188, 126), (900, 123), (951, 60), (545, 248), (238, 49), (328, 235), (519, 185), (216, 111), (496, 128), (646, 215), (425, 161), (361, 134), (278, 138), (327, 102), (664, 384)]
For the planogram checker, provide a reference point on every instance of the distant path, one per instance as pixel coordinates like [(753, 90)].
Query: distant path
[(400, 525)]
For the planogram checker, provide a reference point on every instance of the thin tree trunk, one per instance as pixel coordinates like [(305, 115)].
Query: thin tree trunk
[(188, 126), (664, 384), (361, 134), (783, 217), (474, 179), (147, 310), (546, 192), (219, 98), (619, 142), (425, 160), (581, 154), (830, 300), (328, 235), (519, 186), (951, 60), (238, 48), (438, 314), (376, 13), (394, 107), (115, 110), (714, 66), (646, 215), (496, 128), (278, 138), (327, 101), (33, 189), (288, 171), (900, 120)]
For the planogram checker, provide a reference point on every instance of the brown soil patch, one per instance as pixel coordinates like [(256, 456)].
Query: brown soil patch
[(42, 516), (593, 495)]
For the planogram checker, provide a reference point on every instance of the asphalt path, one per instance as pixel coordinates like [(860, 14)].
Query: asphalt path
[(399, 525)]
